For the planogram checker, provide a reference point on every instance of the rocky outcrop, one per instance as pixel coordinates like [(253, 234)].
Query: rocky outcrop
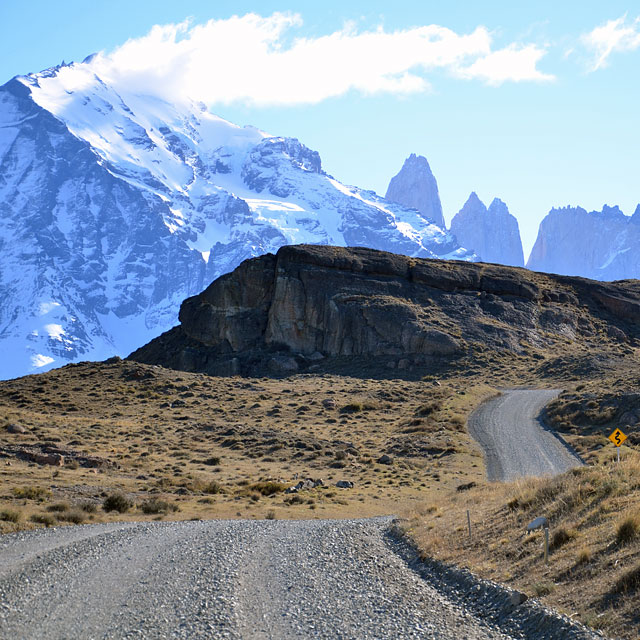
[(492, 233), (602, 245), (309, 307), (415, 186)]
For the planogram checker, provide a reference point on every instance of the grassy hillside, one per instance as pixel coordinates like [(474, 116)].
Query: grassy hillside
[(152, 443)]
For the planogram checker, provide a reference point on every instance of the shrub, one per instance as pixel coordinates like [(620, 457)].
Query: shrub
[(429, 408), (628, 581), (584, 556), (153, 505), (58, 507), (352, 407), (271, 515), (117, 502), (628, 530), (213, 461), (43, 518), (542, 589), (561, 536), (10, 515), (88, 507), (31, 493), (75, 516), (213, 487), (268, 488)]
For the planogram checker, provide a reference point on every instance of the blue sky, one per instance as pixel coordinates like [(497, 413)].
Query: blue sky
[(534, 103)]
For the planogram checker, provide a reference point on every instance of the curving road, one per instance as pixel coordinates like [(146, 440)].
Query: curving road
[(514, 441)]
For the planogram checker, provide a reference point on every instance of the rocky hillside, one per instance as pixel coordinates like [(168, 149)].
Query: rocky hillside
[(312, 308), (599, 244), (492, 233), (415, 186), (116, 206)]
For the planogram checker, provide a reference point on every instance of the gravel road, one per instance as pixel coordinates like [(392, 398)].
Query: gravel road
[(513, 439), (223, 579)]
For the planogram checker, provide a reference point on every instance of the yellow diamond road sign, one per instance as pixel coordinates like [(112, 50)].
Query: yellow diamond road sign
[(617, 437)]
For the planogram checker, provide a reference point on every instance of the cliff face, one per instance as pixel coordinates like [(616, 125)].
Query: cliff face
[(415, 186), (599, 244), (492, 233), (310, 305)]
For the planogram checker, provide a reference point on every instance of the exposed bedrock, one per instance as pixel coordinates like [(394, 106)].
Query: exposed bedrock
[(309, 304)]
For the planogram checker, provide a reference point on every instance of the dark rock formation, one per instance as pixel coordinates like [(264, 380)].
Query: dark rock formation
[(416, 187), (492, 233), (310, 307)]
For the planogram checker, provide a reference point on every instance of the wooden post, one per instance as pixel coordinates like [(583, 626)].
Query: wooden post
[(546, 545), (469, 523)]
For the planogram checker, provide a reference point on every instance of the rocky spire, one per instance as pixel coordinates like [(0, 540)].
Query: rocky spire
[(414, 186), (492, 233)]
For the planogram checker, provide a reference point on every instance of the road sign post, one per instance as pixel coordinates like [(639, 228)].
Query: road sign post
[(617, 437)]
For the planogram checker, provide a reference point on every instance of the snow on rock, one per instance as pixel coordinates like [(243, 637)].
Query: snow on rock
[(118, 206), (492, 233)]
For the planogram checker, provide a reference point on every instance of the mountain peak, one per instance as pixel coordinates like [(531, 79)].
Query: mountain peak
[(415, 186), (474, 203), (493, 233), (498, 207)]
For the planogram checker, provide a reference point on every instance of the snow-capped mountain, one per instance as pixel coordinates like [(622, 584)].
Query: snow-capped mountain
[(492, 233), (602, 245), (117, 206)]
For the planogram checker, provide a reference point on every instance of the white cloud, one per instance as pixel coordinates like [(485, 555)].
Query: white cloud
[(513, 63), (613, 36), (255, 60)]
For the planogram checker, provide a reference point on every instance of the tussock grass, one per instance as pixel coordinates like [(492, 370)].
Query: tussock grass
[(58, 507), (628, 529), (43, 518), (10, 515), (629, 581), (268, 488), (156, 506), (31, 493)]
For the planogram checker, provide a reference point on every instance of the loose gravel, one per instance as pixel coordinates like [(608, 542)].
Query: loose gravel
[(238, 579), (514, 440)]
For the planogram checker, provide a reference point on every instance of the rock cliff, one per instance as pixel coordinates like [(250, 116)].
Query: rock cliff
[(310, 307), (493, 233), (602, 245), (415, 186)]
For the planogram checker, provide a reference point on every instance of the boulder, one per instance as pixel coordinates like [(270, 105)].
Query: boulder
[(16, 428)]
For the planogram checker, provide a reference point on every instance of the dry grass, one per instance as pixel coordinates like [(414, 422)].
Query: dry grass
[(228, 447), (183, 446), (594, 539)]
